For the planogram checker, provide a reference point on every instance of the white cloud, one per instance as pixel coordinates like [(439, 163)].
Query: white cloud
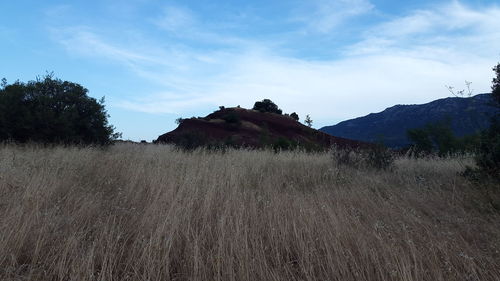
[(406, 60), (325, 15), (447, 27), (176, 19)]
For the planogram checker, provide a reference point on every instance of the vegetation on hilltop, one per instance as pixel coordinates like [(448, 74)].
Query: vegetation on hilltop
[(239, 127), (266, 105)]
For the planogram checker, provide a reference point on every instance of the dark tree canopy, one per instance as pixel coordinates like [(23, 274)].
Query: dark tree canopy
[(495, 88), (266, 105), (488, 154), (437, 137), (50, 110), (295, 116)]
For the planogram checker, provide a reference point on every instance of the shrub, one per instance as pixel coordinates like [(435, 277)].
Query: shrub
[(179, 121), (266, 105), (487, 156), (284, 144), (232, 118), (191, 140), (380, 157)]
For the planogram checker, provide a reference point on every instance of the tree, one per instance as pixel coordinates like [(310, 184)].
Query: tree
[(295, 116), (50, 110), (488, 154), (421, 140), (495, 88), (266, 105), (308, 120), (434, 137)]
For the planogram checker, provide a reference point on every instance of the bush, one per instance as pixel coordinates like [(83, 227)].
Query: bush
[(378, 157), (50, 110), (295, 116), (282, 144), (488, 155), (191, 140), (179, 121), (232, 118), (266, 105)]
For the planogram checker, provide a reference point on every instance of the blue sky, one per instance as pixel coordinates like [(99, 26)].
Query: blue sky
[(155, 61)]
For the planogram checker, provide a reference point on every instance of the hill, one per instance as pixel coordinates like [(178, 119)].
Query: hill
[(250, 128), (467, 116)]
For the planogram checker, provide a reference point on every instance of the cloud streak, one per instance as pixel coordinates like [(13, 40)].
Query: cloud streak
[(405, 60), (328, 14)]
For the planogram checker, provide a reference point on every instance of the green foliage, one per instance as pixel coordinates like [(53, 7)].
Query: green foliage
[(232, 118), (284, 144), (191, 140), (487, 156), (438, 138), (266, 105), (495, 88), (295, 116), (488, 153), (422, 143), (50, 110), (379, 157), (233, 121)]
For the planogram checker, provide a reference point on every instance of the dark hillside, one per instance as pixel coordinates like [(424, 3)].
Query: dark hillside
[(250, 128), (467, 116)]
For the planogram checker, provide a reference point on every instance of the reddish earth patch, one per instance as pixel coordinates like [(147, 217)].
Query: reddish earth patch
[(250, 128)]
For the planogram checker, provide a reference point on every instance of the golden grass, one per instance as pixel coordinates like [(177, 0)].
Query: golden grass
[(146, 212)]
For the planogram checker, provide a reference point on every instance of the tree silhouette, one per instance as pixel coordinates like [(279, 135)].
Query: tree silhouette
[(266, 105), (308, 120), (50, 110)]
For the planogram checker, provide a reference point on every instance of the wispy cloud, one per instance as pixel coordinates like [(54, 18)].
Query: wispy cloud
[(406, 60), (446, 28), (176, 19), (324, 15)]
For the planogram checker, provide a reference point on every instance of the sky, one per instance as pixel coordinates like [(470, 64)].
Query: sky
[(155, 61)]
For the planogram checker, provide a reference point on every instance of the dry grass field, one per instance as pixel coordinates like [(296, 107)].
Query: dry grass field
[(146, 212)]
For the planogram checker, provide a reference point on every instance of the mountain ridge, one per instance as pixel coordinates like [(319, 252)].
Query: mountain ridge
[(466, 115)]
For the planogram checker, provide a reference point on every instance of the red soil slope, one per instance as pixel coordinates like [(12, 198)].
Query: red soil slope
[(250, 128)]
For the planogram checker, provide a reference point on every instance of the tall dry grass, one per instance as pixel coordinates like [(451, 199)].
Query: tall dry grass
[(136, 212)]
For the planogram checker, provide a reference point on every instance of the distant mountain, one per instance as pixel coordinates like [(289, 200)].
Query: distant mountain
[(467, 116), (250, 128)]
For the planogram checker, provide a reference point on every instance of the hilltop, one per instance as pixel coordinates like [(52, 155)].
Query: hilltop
[(241, 127)]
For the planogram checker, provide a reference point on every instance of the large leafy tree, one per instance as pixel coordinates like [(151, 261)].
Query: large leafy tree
[(50, 110)]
